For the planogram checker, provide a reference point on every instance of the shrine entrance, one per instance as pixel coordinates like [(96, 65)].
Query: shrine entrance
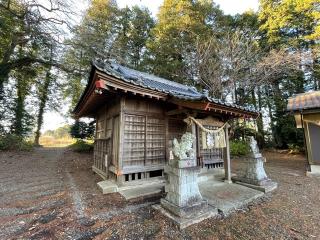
[(212, 146)]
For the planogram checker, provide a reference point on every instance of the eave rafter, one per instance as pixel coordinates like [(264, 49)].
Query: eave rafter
[(211, 107)]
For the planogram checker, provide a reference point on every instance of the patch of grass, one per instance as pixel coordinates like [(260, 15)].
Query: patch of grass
[(239, 148), (13, 142), (51, 141), (82, 146)]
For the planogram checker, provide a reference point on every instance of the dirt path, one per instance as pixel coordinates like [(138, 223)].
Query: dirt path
[(31, 190), (51, 193)]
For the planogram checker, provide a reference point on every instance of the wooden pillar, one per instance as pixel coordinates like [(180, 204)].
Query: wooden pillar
[(119, 144), (198, 153), (227, 161), (194, 133)]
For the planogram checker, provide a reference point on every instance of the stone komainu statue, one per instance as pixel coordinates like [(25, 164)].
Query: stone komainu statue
[(184, 149)]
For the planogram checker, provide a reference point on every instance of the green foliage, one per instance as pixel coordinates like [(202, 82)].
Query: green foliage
[(244, 130), (27, 35), (81, 146), (91, 39), (82, 130), (180, 25), (61, 132), (106, 32), (287, 133), (241, 45), (135, 26), (13, 142), (239, 148), (290, 22)]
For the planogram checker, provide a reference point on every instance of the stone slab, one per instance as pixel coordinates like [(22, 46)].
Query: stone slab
[(268, 187), (141, 183), (251, 181), (226, 197), (107, 186), (142, 191), (212, 174), (312, 174), (315, 171), (185, 222)]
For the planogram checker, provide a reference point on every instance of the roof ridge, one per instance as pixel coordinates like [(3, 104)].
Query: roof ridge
[(154, 77), (160, 84)]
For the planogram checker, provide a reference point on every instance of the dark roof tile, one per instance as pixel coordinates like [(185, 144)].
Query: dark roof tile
[(153, 82), (304, 101)]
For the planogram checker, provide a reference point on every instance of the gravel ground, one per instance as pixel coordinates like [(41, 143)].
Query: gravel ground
[(51, 193)]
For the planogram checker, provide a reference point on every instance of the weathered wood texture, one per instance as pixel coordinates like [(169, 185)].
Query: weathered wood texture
[(144, 134), (102, 147), (134, 137), (107, 138)]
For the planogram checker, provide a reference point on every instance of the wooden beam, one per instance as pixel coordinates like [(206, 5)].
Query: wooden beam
[(176, 111)]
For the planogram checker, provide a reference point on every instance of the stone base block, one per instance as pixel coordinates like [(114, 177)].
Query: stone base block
[(107, 186), (268, 186), (315, 170), (184, 222), (186, 211), (251, 181)]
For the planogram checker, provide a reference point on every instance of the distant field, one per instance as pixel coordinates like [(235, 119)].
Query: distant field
[(49, 141)]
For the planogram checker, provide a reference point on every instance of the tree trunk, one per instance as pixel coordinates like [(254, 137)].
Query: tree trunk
[(43, 97), (18, 128), (279, 104), (4, 70), (260, 119), (270, 114)]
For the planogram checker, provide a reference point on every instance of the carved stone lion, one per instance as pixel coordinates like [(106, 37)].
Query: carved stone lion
[(184, 150)]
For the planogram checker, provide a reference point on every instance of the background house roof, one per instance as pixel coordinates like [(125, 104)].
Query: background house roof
[(153, 82), (303, 101)]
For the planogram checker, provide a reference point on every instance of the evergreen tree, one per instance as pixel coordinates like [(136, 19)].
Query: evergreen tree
[(82, 130), (179, 26), (135, 26)]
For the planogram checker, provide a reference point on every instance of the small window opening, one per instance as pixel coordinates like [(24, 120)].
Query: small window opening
[(157, 173)]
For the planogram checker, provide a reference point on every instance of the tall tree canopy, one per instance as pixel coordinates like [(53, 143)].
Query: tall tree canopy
[(257, 59), (180, 25)]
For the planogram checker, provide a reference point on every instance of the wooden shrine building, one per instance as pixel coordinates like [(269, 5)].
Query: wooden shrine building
[(138, 115), (306, 110)]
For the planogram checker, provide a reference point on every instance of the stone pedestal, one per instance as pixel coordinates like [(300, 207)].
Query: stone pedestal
[(255, 176), (254, 172), (183, 196), (183, 202)]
